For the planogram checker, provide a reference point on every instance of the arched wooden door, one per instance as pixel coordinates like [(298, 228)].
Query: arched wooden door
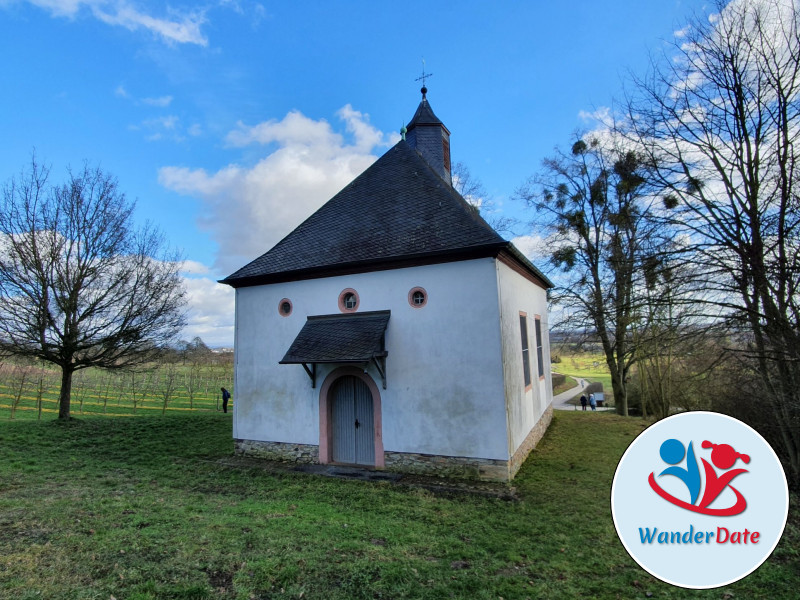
[(352, 422)]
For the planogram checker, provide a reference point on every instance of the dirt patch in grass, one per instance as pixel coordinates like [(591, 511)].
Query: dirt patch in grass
[(437, 485), (220, 581)]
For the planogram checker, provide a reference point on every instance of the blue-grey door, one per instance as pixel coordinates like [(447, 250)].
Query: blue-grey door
[(352, 422)]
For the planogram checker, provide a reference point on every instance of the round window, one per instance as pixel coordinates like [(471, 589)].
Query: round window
[(285, 307), (417, 297), (348, 300)]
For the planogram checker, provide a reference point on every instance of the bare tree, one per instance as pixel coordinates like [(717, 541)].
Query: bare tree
[(105, 393), (675, 347), (80, 286), (192, 380), (720, 119), (40, 391), (134, 397), (168, 375), (23, 372), (594, 203), (473, 191)]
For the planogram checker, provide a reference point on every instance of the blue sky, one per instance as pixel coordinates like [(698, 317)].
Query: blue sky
[(230, 122)]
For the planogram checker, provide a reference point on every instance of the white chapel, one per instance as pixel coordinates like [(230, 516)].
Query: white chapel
[(394, 329)]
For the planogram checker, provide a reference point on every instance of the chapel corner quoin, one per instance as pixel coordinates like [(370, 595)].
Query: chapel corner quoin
[(398, 342)]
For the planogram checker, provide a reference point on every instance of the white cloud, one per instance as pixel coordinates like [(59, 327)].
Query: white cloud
[(169, 122), (599, 116), (682, 33), (366, 136), (192, 267), (233, 4), (121, 92), (536, 248), (161, 101), (160, 128), (210, 311), (259, 14), (249, 209), (178, 27), (183, 28), (295, 129), (60, 8)]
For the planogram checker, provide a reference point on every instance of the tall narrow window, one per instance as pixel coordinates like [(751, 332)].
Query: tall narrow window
[(526, 361), (539, 354)]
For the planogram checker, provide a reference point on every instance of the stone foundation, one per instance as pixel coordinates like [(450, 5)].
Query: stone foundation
[(281, 451), (530, 441), (469, 467), (457, 467)]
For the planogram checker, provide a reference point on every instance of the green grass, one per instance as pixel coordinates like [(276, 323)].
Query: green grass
[(588, 366), (591, 367), (567, 385), (141, 508)]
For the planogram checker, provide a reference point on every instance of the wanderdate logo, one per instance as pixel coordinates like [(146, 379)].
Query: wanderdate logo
[(699, 500), (723, 457)]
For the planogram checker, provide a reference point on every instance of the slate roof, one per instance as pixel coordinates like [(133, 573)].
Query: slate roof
[(339, 338), (424, 116), (399, 212)]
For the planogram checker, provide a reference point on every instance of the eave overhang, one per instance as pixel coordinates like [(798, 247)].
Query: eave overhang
[(505, 251)]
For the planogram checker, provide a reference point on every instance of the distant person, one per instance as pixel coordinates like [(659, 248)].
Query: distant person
[(592, 402), (583, 402), (226, 395)]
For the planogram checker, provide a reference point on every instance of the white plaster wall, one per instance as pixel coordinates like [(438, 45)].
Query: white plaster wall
[(525, 407), (445, 392)]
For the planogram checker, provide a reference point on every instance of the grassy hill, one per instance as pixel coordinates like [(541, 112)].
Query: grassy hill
[(589, 366), (144, 508)]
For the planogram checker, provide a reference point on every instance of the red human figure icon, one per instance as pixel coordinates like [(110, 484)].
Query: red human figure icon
[(724, 457)]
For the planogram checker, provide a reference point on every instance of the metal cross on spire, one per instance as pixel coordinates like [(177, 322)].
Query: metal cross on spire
[(423, 78)]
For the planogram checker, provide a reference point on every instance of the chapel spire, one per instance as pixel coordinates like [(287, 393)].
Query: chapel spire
[(428, 135)]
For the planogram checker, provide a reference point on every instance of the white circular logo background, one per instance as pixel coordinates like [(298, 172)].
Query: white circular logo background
[(672, 490)]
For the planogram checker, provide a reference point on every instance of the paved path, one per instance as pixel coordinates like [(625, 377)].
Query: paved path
[(560, 400)]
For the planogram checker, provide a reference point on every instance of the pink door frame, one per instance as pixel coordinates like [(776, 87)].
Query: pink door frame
[(325, 446)]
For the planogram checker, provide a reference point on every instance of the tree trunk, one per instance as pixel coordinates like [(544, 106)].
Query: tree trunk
[(66, 391), (620, 393), (39, 392)]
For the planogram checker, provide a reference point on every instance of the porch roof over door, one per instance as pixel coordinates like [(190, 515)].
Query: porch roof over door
[(346, 338)]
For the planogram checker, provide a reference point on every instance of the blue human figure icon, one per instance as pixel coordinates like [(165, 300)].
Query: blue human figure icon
[(672, 452)]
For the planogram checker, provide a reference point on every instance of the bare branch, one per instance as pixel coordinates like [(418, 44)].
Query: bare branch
[(80, 285)]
